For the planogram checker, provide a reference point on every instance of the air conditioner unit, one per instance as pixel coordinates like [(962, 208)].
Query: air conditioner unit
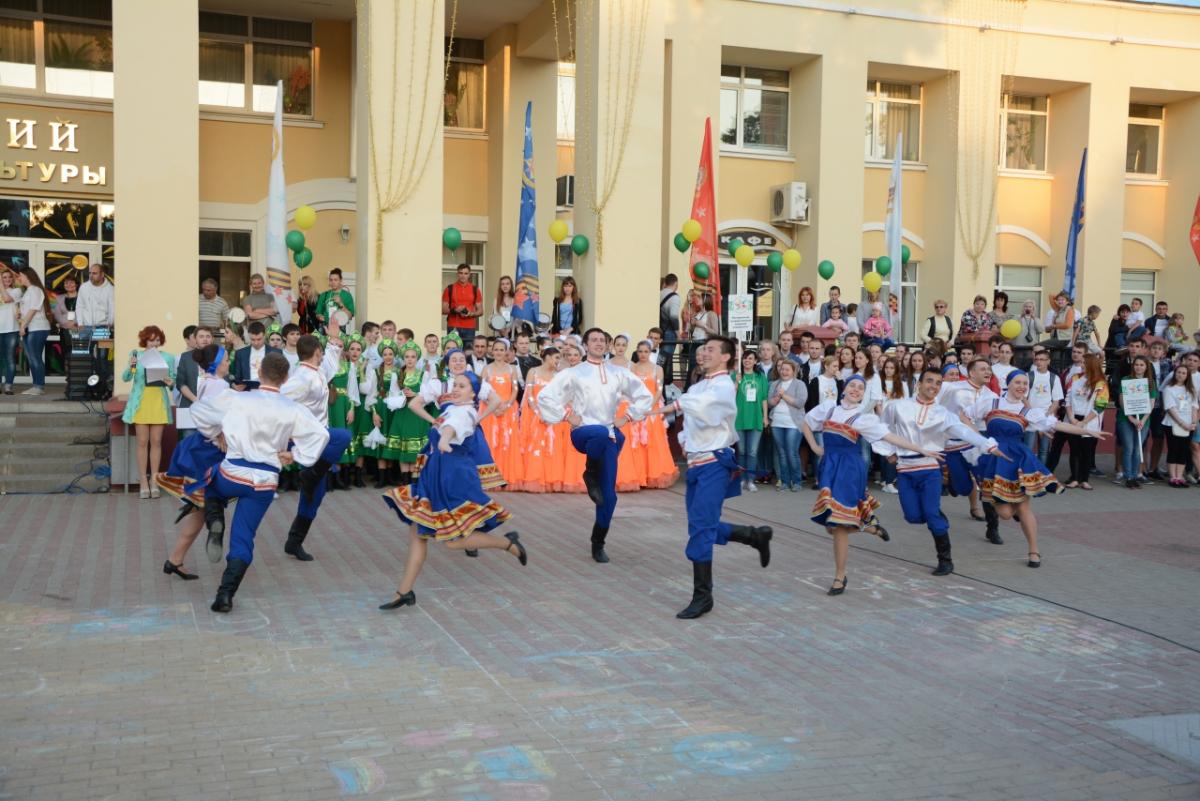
[(565, 191), (789, 203)]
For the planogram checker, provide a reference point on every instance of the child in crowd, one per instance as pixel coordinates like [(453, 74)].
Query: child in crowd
[(1085, 330), (835, 322), (1177, 339), (877, 329), (850, 316)]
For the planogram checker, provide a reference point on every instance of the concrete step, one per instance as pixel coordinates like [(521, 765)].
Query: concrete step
[(51, 437), (51, 482), (49, 452)]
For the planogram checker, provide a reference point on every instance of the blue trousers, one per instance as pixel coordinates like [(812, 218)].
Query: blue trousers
[(596, 443), (339, 440), (251, 507), (921, 499), (787, 455), (961, 475), (708, 485), (747, 457)]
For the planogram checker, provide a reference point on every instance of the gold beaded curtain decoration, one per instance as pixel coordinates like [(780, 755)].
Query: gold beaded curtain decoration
[(400, 151), (981, 46), (626, 44)]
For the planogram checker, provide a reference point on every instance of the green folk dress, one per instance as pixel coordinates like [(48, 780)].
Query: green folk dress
[(406, 432)]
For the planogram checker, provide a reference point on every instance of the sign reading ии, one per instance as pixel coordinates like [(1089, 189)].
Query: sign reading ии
[(45, 151)]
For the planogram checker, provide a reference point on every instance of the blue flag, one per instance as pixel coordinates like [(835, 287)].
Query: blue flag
[(1077, 219), (526, 303)]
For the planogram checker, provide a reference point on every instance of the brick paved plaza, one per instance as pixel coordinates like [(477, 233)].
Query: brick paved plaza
[(571, 680)]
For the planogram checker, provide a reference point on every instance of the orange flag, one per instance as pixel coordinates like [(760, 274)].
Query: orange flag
[(704, 211), (1196, 230)]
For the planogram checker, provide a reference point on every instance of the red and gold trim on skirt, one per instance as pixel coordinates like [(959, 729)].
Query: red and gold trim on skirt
[(173, 486), (449, 524), (1025, 485), (490, 477), (832, 513)]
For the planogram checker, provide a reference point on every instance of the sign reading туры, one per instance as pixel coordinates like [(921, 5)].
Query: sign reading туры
[(48, 152)]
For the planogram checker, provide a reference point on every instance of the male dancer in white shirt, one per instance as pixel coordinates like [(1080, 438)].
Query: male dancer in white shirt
[(587, 396), (709, 409), (308, 385), (958, 397), (256, 427), (923, 421)]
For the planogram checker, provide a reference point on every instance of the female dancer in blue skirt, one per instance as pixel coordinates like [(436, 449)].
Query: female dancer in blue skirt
[(1009, 483), (193, 462), (843, 505), (447, 502), (709, 409)]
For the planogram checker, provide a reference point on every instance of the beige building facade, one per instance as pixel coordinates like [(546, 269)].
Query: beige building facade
[(137, 134)]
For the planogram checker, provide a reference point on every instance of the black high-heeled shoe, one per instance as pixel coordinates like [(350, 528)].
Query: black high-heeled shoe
[(880, 532), (1031, 562), (515, 539), (977, 516), (407, 599), (471, 552), (838, 590), (170, 568)]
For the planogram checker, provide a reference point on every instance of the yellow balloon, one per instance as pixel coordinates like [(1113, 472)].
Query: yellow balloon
[(744, 255), (306, 217), (558, 231), (692, 230), (872, 282), (791, 258), (1009, 329)]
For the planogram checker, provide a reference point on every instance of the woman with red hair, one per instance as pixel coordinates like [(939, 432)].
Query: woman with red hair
[(149, 406), (806, 311)]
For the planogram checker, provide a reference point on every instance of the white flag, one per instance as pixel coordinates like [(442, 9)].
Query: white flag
[(893, 230), (279, 272)]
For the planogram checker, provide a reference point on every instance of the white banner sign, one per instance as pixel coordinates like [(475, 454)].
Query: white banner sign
[(741, 314), (1135, 396)]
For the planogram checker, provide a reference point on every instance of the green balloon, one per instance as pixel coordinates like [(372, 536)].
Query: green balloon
[(905, 254), (579, 244), (681, 243), (825, 269), (302, 257), (294, 240), (700, 269), (883, 265), (775, 260), (733, 245), (452, 238)]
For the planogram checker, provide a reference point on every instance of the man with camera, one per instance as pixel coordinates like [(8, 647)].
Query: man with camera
[(462, 303)]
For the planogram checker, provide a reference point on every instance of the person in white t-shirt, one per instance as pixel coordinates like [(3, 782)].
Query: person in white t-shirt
[(33, 322), (1045, 394), (10, 297), (1003, 366)]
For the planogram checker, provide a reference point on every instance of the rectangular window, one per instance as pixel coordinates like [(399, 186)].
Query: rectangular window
[(18, 54), (906, 331), (468, 252), (1023, 122), (463, 101), (892, 109), (1020, 283), (754, 108), (1143, 144), (1139, 284), (566, 103), (225, 258), (242, 60), (79, 59)]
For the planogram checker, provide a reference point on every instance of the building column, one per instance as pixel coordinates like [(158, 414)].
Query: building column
[(943, 260), (619, 276), (512, 82), (156, 168), (1179, 281), (404, 281), (833, 89), (1067, 138), (1098, 268)]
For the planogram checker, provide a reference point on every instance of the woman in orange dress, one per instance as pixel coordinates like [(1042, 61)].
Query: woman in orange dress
[(629, 462), (650, 435), (500, 424), (574, 462), (541, 444)]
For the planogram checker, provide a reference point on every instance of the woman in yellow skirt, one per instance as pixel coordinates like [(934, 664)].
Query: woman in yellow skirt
[(149, 406)]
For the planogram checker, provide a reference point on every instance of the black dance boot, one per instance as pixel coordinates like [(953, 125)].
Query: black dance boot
[(235, 571), (342, 477), (295, 540), (599, 533), (214, 520), (381, 478), (591, 480), (310, 477), (945, 565), (702, 600), (993, 524), (757, 537), (358, 477), (184, 511)]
